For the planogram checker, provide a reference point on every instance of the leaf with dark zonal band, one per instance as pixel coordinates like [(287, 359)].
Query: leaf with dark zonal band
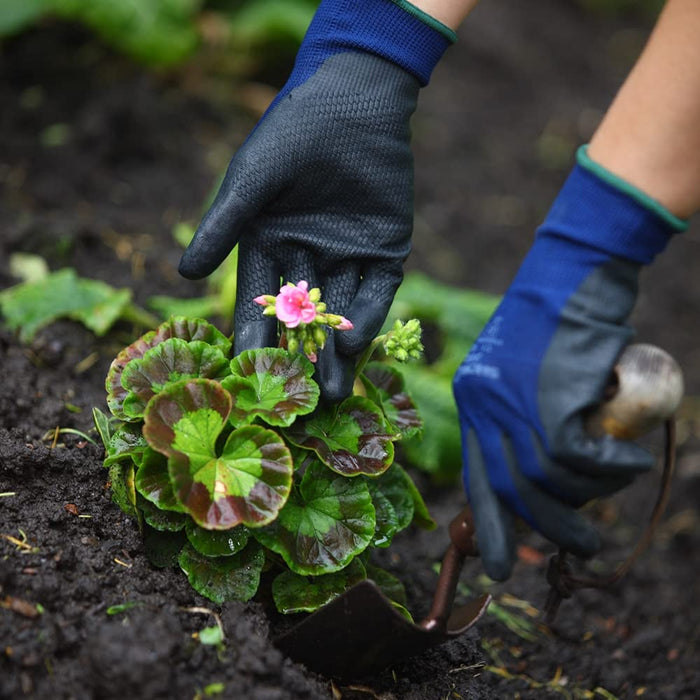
[(326, 522), (224, 578), (294, 594), (217, 543), (177, 327), (169, 362), (385, 386), (273, 384), (247, 483), (353, 438), (153, 482)]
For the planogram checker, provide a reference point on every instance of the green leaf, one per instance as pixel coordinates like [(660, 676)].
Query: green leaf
[(121, 477), (385, 386), (327, 521), (103, 425), (247, 483), (162, 520), (395, 486), (272, 20), (30, 306), (387, 524), (162, 547), (390, 586), (224, 578), (155, 32), (127, 442), (217, 543), (211, 636), (421, 515), (293, 593), (165, 306), (273, 384), (15, 15), (352, 438), (188, 329), (153, 482), (169, 362)]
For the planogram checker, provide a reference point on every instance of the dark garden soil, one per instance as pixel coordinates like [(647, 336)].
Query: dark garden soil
[(134, 153)]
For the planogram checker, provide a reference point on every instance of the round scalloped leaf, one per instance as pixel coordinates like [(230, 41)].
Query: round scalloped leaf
[(294, 594), (224, 578), (217, 543), (390, 586), (273, 384), (200, 405), (177, 327), (326, 522), (121, 482), (353, 438), (387, 524), (169, 362), (386, 386), (153, 482), (247, 484)]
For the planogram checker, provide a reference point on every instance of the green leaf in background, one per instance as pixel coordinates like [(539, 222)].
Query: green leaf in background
[(326, 522), (293, 593), (385, 385), (246, 484), (165, 306), (155, 32), (224, 578), (188, 329), (452, 319), (352, 438), (272, 20), (16, 15), (217, 543), (153, 482), (30, 306), (167, 363), (272, 384)]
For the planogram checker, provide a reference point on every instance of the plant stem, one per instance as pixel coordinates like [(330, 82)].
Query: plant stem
[(367, 354)]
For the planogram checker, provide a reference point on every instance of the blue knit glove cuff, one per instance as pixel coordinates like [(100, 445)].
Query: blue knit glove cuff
[(598, 209), (392, 29)]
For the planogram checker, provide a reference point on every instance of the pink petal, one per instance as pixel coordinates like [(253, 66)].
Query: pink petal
[(261, 300), (345, 324)]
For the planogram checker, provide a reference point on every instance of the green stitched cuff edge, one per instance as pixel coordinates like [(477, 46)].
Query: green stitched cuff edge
[(424, 17), (584, 160)]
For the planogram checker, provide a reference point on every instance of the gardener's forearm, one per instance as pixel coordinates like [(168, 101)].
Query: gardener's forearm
[(449, 12), (650, 136)]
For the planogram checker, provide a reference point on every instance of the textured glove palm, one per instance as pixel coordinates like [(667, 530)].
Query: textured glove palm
[(322, 190), (543, 361)]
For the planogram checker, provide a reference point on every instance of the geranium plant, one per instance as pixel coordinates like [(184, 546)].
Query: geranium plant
[(233, 468)]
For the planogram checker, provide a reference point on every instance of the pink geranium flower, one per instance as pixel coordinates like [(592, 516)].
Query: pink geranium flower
[(293, 305)]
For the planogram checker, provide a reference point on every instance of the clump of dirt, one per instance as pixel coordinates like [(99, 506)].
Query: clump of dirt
[(82, 612)]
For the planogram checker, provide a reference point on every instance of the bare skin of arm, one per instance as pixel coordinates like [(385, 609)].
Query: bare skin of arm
[(449, 12), (650, 135)]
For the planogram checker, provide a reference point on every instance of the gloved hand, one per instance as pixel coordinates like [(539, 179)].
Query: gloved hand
[(322, 189), (545, 358)]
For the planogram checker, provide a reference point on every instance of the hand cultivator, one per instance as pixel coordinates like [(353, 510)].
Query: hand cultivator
[(361, 632)]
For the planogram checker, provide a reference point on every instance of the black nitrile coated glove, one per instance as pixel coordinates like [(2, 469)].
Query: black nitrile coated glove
[(322, 190)]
